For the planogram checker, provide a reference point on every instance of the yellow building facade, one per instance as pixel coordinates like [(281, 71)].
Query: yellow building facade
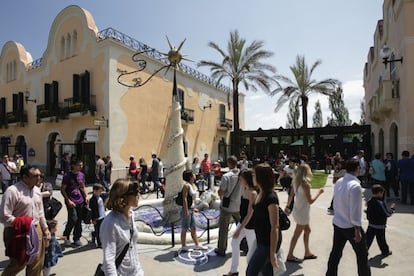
[(82, 109), (388, 80)]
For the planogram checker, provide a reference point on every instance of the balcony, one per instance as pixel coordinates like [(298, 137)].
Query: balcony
[(73, 107), (57, 110), (389, 93), (385, 101), (19, 117), (187, 115), (224, 124)]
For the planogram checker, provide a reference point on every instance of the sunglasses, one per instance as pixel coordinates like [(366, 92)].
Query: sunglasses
[(133, 189)]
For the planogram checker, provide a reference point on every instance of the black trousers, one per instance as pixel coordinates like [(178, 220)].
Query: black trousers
[(380, 235), (341, 237)]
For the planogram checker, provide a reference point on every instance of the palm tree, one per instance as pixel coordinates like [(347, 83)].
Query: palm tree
[(241, 64), (300, 89)]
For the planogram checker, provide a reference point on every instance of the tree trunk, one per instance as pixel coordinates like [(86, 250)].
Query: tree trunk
[(305, 123), (236, 141)]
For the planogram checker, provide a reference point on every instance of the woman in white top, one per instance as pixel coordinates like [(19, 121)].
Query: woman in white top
[(301, 210), (189, 193), (118, 230), (196, 166)]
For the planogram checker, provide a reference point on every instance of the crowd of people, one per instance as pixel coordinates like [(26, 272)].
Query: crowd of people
[(248, 197)]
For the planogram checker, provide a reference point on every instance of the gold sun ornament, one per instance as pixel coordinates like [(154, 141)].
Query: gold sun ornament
[(172, 60)]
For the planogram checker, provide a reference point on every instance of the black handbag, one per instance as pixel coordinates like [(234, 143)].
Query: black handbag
[(52, 208), (225, 202), (179, 199), (284, 221)]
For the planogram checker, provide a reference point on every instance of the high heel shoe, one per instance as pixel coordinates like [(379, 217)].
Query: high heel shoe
[(232, 274)]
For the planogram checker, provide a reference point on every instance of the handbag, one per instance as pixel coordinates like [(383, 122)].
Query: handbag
[(284, 221), (118, 261), (225, 202), (179, 199), (52, 208)]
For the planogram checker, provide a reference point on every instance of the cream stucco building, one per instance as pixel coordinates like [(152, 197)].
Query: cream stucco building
[(389, 82), (75, 87)]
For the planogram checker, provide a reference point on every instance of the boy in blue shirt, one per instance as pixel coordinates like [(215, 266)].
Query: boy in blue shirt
[(96, 204)]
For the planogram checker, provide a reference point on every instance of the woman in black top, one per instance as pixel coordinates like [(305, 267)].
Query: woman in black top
[(245, 229), (266, 223), (143, 174)]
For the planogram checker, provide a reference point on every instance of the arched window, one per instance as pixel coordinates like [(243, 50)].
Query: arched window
[(394, 139), (381, 142), (62, 48), (74, 42), (67, 46)]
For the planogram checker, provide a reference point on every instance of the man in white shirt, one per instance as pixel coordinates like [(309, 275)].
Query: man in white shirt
[(362, 166), (347, 221), (230, 187)]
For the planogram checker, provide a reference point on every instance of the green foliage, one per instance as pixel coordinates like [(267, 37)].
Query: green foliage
[(317, 116), (340, 114), (302, 86), (319, 179)]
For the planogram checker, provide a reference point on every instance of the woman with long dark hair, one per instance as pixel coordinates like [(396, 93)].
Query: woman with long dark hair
[(266, 223), (245, 229)]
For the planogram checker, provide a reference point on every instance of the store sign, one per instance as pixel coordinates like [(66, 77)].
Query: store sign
[(91, 135)]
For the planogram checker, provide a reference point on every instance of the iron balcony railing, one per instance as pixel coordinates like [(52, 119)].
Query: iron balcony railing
[(225, 123), (73, 107), (111, 33), (16, 117), (187, 115)]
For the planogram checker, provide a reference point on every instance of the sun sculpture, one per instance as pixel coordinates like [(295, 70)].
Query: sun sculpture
[(175, 163)]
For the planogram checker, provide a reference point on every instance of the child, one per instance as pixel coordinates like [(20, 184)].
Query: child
[(201, 183), (53, 250), (377, 213), (96, 204)]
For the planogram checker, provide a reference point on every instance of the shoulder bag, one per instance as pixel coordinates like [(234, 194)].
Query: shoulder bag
[(226, 200), (118, 261), (284, 221)]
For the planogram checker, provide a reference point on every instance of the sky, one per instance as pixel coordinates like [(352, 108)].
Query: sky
[(337, 32)]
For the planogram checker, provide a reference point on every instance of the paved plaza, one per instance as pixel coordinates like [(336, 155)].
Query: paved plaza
[(160, 259)]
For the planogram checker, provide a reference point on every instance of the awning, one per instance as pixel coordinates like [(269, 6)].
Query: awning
[(297, 143)]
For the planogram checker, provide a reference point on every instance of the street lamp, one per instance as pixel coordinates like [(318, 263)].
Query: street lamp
[(26, 97), (386, 53)]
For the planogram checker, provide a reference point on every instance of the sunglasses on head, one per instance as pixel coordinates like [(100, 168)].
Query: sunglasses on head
[(133, 189)]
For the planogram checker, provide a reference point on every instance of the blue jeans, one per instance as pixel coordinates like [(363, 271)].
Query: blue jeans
[(260, 262), (102, 179), (187, 222)]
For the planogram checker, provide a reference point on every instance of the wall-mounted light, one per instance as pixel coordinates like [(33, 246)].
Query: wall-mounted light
[(27, 96), (386, 53), (207, 106)]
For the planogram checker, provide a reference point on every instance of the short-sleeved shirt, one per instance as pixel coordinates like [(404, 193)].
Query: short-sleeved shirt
[(232, 188), (155, 169), (261, 218), (205, 166), (73, 184)]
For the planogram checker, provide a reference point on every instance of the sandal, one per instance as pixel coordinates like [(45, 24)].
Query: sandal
[(310, 257), (294, 260)]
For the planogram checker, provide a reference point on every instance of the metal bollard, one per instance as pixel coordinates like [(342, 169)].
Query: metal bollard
[(172, 235)]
